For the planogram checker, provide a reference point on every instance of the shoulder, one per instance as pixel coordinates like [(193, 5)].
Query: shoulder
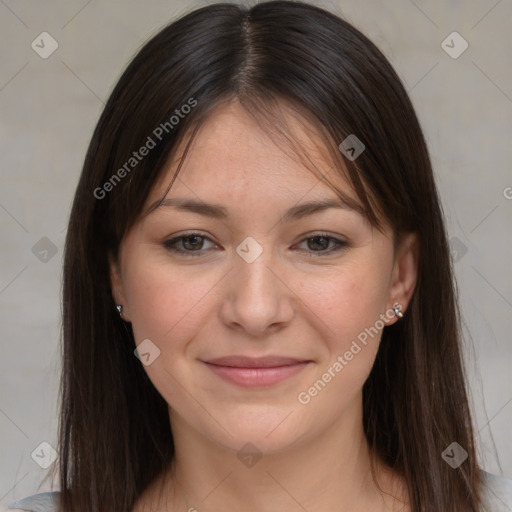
[(497, 493), (497, 497), (41, 502)]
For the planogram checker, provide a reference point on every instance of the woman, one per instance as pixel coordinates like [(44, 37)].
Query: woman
[(259, 308)]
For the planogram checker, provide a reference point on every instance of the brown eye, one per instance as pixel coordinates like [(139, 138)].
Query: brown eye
[(320, 244), (191, 244)]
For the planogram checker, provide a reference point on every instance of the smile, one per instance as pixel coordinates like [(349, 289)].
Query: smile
[(255, 372)]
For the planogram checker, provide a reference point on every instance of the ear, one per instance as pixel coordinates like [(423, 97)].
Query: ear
[(405, 273), (116, 285)]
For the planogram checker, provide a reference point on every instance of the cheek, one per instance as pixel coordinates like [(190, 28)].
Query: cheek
[(165, 302), (347, 302), (350, 307)]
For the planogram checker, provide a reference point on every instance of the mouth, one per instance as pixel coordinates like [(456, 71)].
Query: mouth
[(256, 371)]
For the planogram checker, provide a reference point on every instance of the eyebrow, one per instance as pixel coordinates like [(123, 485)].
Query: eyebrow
[(217, 211)]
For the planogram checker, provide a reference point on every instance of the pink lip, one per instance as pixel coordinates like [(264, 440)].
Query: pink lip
[(255, 372)]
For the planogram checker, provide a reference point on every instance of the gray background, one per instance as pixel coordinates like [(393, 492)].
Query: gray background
[(49, 108)]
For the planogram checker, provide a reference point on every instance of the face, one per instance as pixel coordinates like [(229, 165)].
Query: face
[(210, 292)]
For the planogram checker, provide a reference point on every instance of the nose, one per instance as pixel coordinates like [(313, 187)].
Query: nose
[(258, 299)]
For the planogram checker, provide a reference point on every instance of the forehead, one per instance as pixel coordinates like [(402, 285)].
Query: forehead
[(233, 157)]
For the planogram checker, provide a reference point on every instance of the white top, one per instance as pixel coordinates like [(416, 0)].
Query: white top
[(497, 498)]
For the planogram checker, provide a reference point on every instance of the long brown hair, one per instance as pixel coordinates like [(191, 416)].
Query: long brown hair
[(114, 436)]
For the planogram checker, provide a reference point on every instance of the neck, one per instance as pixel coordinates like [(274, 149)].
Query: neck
[(330, 473)]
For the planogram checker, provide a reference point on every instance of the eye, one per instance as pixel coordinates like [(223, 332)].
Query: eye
[(319, 242), (192, 244)]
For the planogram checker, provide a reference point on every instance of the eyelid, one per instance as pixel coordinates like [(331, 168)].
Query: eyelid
[(326, 234)]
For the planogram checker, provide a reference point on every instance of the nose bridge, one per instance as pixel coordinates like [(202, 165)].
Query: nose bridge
[(253, 269), (258, 295)]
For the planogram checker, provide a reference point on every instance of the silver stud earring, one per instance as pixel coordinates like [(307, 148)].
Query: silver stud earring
[(120, 311), (397, 312)]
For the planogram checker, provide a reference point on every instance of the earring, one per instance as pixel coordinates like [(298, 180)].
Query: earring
[(397, 312), (120, 311)]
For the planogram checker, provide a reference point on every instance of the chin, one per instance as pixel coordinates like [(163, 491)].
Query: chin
[(269, 435)]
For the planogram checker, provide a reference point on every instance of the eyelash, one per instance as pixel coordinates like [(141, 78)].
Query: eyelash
[(170, 244)]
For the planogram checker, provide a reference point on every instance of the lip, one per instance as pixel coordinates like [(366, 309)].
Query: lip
[(256, 371)]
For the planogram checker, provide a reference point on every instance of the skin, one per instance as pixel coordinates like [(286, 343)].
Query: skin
[(288, 302)]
